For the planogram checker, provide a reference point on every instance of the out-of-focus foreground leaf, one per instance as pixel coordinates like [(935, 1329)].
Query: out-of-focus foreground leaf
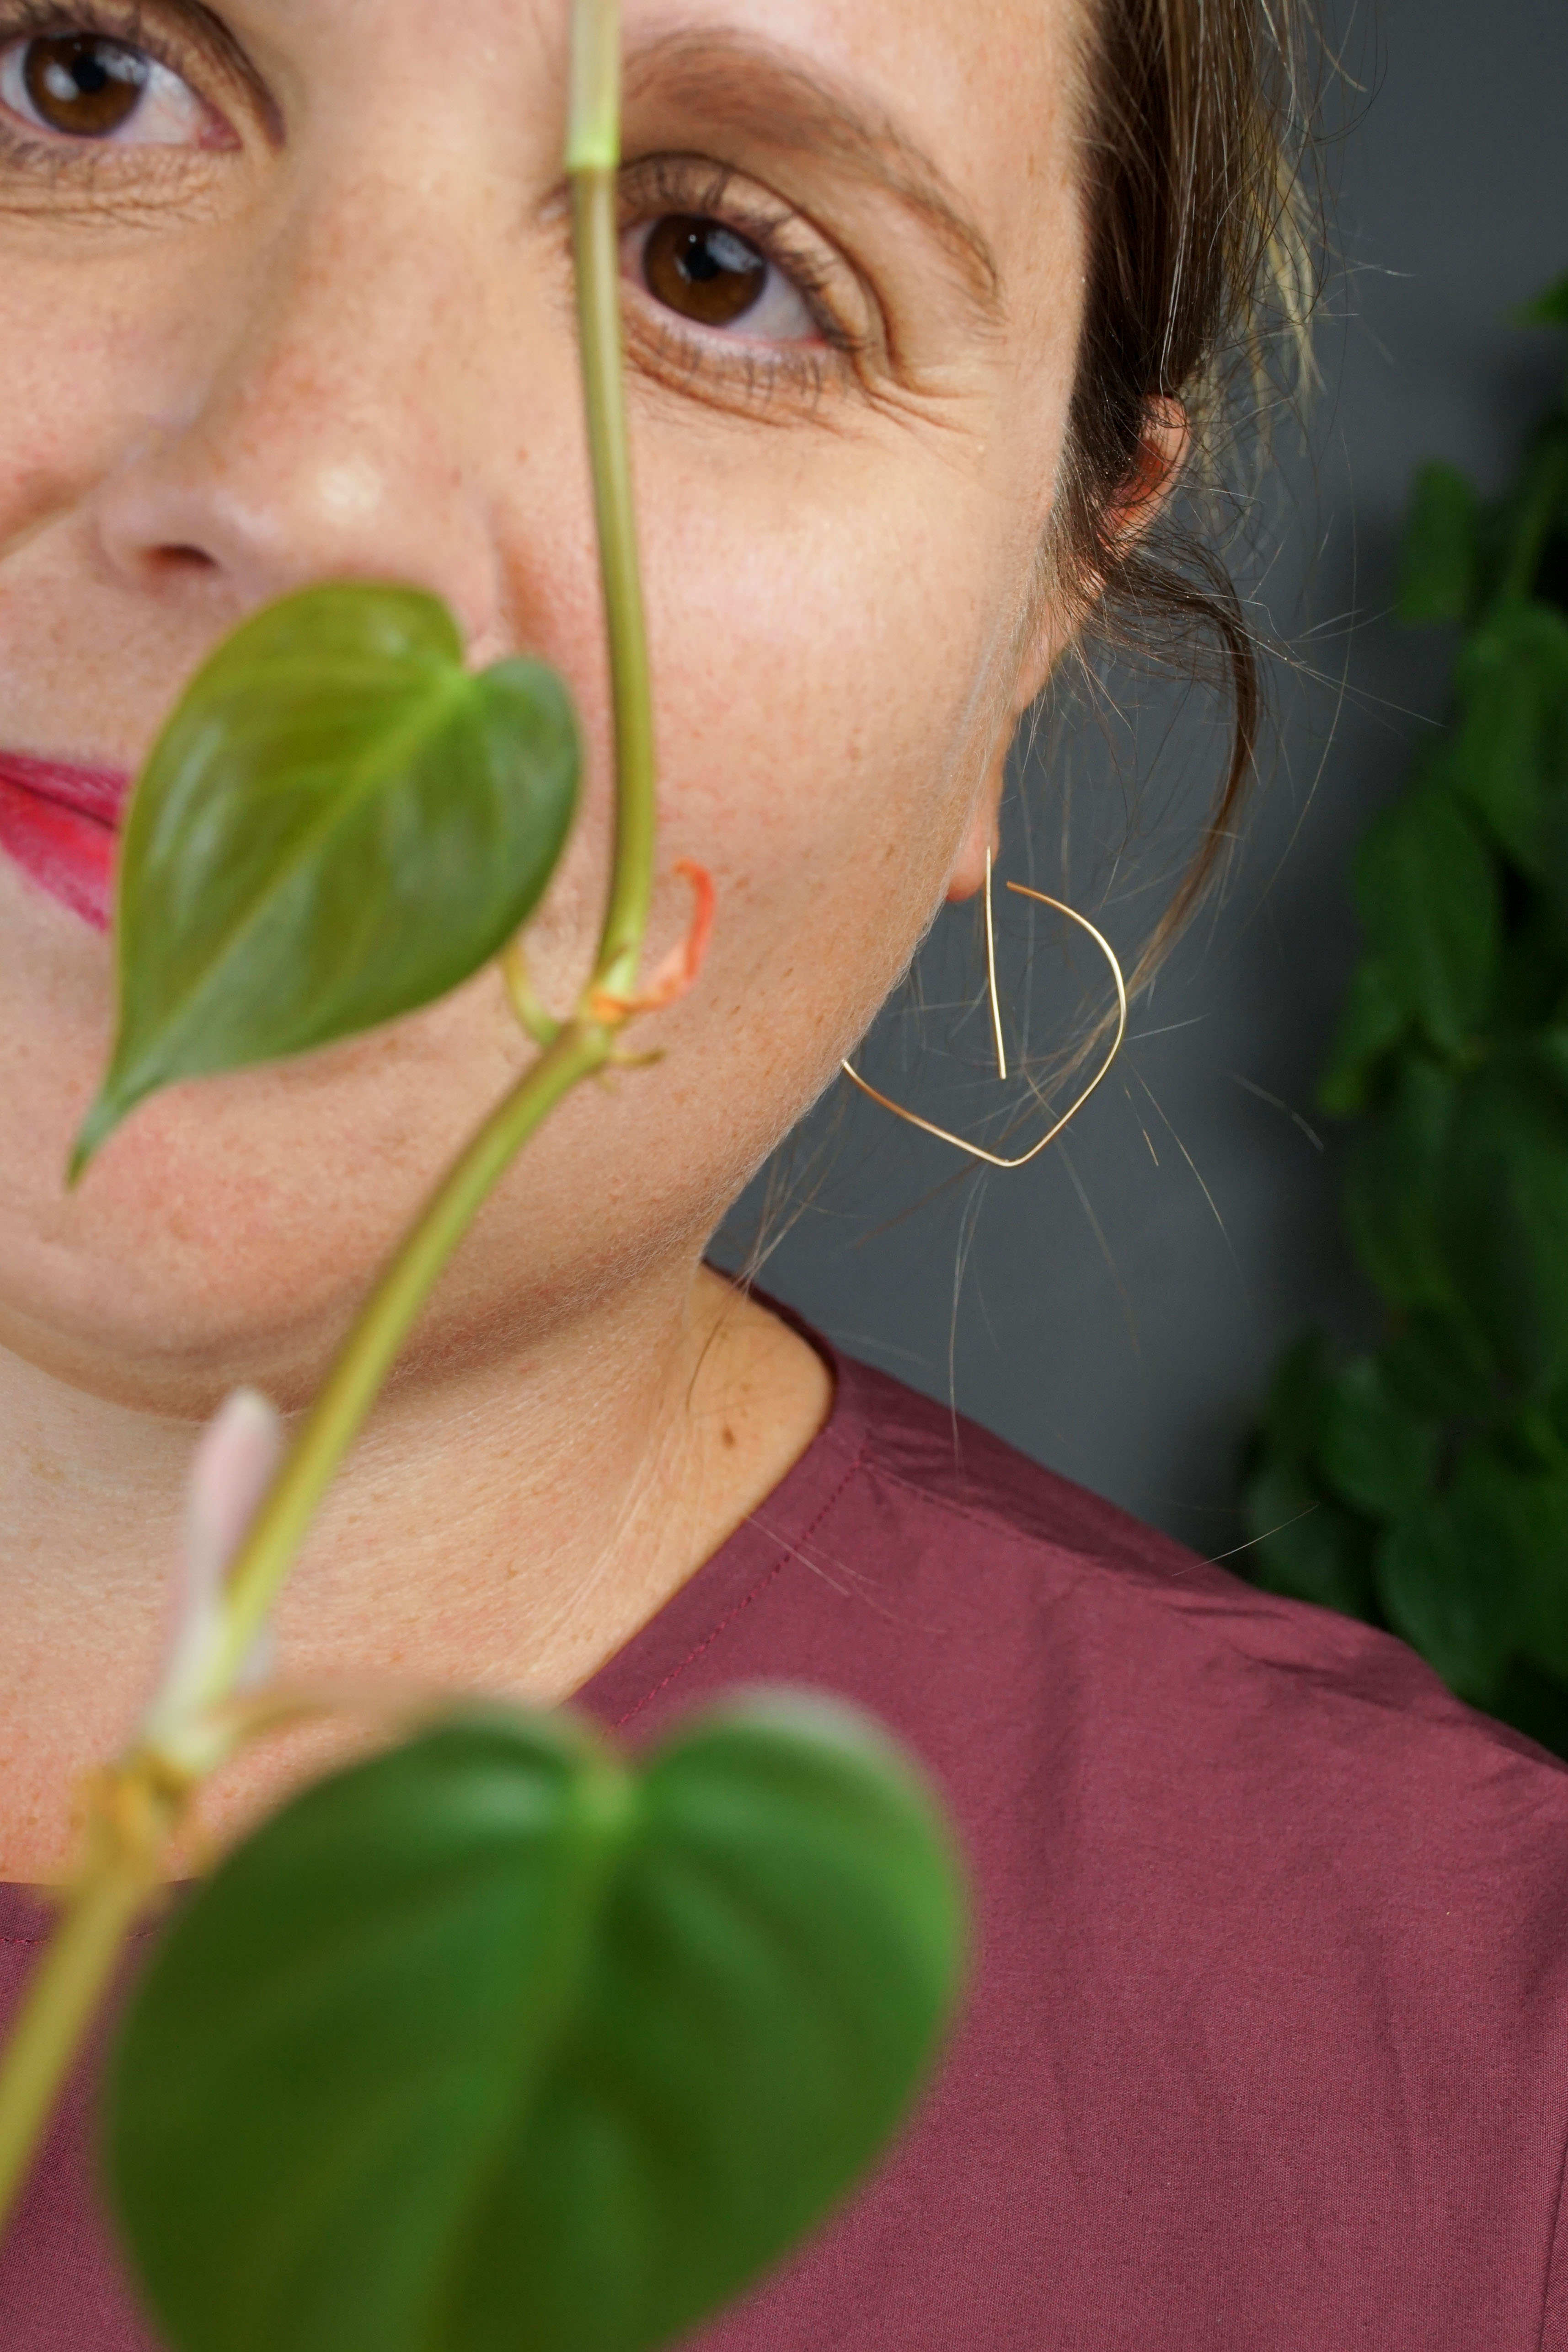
[(498, 2044), (339, 825)]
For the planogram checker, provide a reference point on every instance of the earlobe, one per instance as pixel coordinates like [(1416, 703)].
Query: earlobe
[(983, 836)]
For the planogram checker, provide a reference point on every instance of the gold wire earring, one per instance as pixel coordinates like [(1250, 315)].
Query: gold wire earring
[(975, 1150)]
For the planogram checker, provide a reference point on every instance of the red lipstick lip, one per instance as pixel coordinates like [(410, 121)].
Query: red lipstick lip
[(60, 823), (100, 793)]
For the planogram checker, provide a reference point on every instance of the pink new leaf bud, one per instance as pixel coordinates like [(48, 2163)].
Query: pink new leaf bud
[(236, 1461)]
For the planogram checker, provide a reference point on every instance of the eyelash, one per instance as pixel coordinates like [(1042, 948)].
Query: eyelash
[(675, 184), (656, 184), (20, 19), (125, 23)]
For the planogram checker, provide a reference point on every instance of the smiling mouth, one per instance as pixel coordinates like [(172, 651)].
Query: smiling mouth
[(60, 824)]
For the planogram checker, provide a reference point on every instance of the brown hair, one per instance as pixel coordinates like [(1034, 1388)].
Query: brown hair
[(1202, 270)]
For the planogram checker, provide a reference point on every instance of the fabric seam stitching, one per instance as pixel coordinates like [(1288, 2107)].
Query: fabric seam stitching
[(791, 1552), (998, 1523)]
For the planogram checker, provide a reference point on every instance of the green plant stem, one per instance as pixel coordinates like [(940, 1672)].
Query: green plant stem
[(81, 1959), (79, 1964), (68, 1986), (62, 2001), (339, 1412), (593, 160)]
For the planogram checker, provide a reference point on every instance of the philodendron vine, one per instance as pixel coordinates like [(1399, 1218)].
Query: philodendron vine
[(499, 2039)]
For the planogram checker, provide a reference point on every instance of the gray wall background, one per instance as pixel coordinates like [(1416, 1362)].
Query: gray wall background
[(1115, 1308)]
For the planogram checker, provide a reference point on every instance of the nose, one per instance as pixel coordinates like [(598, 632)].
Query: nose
[(324, 432)]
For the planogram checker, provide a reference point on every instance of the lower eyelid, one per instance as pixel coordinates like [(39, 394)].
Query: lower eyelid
[(726, 368), (743, 377)]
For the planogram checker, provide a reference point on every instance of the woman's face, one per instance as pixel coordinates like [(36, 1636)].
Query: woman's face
[(285, 294)]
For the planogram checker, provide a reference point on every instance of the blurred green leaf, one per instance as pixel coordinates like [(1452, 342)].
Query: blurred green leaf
[(1373, 1022), (1439, 1367), (1533, 1703), (1428, 893), (1446, 1602), (1438, 561), (1293, 1416), (1510, 751), (1303, 1545), (1547, 309), (1505, 1210), (494, 2042), (339, 825), (1394, 1187), (1535, 1439), (1532, 979), (1376, 1453), (1515, 1527)]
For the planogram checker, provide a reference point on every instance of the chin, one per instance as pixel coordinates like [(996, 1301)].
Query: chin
[(169, 1331), (198, 1252), (230, 1228)]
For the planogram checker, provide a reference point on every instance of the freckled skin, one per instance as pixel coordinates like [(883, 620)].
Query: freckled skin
[(331, 336)]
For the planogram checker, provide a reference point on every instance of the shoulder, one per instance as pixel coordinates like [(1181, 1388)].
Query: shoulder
[(1268, 1859), (1171, 1658), (1272, 1932)]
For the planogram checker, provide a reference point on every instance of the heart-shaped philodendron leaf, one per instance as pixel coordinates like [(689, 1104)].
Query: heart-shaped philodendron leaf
[(498, 2044), (339, 824)]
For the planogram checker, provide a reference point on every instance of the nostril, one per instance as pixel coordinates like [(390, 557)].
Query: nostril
[(182, 559)]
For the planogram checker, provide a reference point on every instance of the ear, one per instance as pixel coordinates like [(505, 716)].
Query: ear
[(1156, 469), (1163, 452)]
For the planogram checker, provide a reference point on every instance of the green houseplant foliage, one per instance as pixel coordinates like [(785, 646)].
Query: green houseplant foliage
[(1425, 1487), (500, 2043)]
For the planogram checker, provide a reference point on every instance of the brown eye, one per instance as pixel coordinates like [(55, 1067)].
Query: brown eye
[(703, 270), (83, 86)]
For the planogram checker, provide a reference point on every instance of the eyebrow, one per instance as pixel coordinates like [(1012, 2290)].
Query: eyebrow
[(778, 104)]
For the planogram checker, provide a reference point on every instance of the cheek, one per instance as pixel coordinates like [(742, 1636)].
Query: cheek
[(86, 365), (83, 351), (230, 1222), (826, 659)]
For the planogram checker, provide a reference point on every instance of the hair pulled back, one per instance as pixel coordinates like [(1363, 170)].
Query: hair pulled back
[(1202, 272)]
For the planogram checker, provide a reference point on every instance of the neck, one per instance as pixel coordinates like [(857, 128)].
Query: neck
[(505, 1525)]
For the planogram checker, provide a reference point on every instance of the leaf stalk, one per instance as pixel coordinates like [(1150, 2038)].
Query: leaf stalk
[(344, 1405), (130, 1818), (595, 213)]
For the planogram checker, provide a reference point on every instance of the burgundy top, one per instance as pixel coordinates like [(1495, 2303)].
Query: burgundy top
[(1269, 2042)]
